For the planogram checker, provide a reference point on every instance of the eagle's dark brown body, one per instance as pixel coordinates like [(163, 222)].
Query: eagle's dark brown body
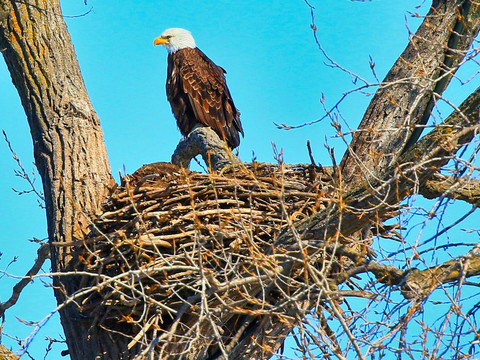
[(197, 92)]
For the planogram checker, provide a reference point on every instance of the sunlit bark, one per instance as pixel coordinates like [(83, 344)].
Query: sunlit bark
[(68, 141)]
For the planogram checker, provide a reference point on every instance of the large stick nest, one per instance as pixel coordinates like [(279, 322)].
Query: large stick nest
[(172, 244)]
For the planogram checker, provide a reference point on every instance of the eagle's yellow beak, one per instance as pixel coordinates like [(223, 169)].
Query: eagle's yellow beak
[(160, 41)]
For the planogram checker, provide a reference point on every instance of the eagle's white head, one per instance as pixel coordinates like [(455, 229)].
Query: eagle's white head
[(175, 39)]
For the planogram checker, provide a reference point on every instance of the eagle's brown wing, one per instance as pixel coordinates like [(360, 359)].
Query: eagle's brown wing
[(198, 93)]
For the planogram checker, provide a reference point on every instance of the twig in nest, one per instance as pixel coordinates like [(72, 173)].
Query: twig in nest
[(318, 167)]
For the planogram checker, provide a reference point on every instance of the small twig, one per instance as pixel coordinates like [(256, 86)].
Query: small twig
[(24, 175), (200, 164), (43, 254), (80, 15), (318, 167), (310, 154)]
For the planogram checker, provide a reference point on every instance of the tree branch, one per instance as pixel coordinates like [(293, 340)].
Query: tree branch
[(410, 89), (438, 146), (452, 187), (204, 141), (420, 284), (43, 254)]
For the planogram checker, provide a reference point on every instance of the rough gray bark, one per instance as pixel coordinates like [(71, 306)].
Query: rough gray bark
[(68, 141), (203, 141)]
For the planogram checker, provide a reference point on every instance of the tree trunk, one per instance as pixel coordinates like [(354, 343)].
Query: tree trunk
[(69, 148)]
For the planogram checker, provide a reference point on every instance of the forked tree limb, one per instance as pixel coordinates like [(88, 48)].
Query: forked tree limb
[(409, 91), (204, 141)]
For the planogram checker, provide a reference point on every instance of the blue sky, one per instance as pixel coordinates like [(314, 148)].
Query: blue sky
[(275, 73)]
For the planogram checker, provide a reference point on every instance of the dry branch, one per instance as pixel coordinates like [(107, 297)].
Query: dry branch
[(419, 284), (43, 254)]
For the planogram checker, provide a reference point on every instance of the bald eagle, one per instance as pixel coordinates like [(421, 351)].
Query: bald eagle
[(197, 90)]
